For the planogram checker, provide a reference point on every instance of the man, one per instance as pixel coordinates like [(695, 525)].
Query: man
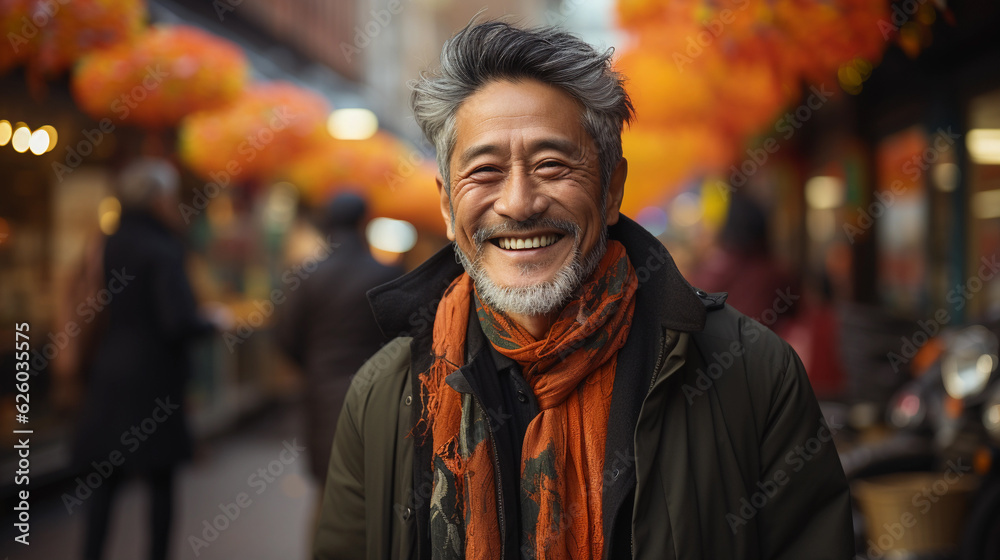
[(326, 328), (141, 364), (563, 392)]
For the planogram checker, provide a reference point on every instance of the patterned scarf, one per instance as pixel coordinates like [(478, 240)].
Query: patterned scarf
[(572, 372)]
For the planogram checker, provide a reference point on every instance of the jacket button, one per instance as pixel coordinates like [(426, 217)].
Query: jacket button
[(615, 473), (522, 397), (408, 400), (407, 513), (701, 293)]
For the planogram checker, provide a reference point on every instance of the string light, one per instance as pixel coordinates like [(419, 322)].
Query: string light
[(22, 138)]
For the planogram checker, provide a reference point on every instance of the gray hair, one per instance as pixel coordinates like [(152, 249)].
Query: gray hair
[(146, 179), (491, 51)]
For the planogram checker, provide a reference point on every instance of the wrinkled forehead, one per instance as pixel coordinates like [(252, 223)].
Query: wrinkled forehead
[(527, 111)]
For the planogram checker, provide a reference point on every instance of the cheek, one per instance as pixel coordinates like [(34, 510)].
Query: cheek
[(470, 210)]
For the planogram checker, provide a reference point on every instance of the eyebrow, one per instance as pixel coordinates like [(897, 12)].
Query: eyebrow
[(558, 144)]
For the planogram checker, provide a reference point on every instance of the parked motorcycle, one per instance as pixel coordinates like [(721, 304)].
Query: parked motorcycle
[(931, 489)]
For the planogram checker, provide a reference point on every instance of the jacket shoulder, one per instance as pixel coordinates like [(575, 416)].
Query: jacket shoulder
[(382, 372), (763, 363), (728, 330)]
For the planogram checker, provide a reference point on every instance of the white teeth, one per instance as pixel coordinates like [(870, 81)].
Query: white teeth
[(530, 243)]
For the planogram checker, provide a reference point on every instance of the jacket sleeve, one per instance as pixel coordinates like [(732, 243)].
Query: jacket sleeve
[(340, 532), (808, 514)]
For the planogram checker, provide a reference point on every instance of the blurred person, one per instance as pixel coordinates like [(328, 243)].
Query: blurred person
[(326, 327), (546, 394), (741, 264), (132, 421)]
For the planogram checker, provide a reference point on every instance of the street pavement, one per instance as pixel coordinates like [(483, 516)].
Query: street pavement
[(247, 496)]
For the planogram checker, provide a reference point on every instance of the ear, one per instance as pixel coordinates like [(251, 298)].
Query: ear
[(445, 206), (616, 191)]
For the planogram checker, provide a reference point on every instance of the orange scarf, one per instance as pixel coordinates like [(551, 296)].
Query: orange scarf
[(572, 373)]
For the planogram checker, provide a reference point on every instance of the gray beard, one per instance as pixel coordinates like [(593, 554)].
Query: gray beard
[(539, 299)]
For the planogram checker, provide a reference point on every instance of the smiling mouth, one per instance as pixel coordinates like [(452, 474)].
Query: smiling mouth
[(522, 243)]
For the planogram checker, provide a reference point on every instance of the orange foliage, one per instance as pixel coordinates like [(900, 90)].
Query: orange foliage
[(706, 75)]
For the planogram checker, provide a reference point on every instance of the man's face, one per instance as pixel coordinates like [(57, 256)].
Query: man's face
[(526, 192)]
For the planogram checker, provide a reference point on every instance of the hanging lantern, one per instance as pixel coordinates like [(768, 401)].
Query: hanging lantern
[(49, 36), (256, 135), (167, 73)]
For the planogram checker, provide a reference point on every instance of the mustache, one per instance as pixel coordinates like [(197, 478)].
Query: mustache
[(512, 226)]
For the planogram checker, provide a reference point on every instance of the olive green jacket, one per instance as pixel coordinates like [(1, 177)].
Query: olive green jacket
[(716, 446)]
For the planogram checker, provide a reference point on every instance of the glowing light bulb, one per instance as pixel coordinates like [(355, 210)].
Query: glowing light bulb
[(5, 132), (39, 142), (21, 140)]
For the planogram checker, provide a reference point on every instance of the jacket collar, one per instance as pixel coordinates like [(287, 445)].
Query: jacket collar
[(406, 305)]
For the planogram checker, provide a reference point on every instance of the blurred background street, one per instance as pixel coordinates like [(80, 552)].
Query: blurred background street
[(195, 194), (275, 525)]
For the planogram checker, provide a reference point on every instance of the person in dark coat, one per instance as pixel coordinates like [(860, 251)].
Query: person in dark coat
[(743, 266), (327, 328), (132, 420)]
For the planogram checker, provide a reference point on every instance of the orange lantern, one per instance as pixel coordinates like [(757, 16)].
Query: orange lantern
[(706, 75), (49, 36), (397, 180), (255, 135), (166, 74)]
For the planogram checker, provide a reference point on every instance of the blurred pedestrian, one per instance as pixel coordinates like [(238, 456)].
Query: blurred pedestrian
[(327, 327), (132, 419), (742, 265)]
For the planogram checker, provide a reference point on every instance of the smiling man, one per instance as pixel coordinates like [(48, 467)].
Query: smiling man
[(574, 396)]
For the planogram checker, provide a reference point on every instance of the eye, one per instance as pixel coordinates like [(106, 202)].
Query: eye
[(550, 166), (486, 174)]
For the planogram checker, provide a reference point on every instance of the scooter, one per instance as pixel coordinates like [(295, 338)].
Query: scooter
[(931, 489)]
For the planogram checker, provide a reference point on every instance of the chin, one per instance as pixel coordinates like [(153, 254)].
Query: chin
[(533, 299), (536, 298), (530, 298)]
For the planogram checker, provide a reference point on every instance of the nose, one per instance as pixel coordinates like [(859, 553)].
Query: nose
[(520, 198)]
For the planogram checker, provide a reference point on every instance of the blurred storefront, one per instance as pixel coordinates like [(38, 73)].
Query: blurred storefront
[(249, 231)]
